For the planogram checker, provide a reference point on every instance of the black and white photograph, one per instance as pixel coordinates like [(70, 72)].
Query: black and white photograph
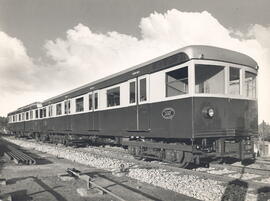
[(134, 100)]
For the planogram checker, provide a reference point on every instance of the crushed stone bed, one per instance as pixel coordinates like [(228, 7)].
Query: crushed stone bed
[(189, 185)]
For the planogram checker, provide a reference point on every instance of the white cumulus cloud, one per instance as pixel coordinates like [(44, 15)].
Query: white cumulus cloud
[(16, 67)]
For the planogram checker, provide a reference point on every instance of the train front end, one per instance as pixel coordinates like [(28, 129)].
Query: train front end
[(225, 112)]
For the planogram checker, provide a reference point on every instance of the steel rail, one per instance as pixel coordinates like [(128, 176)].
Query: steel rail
[(265, 162), (242, 169), (89, 182), (27, 158), (17, 155)]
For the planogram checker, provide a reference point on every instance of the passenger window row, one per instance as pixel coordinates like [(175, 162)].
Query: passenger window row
[(112, 97)]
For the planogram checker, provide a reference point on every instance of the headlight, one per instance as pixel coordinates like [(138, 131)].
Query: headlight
[(210, 112)]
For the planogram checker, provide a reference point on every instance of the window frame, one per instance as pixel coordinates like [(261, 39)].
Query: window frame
[(226, 65), (136, 91), (83, 104), (91, 94), (41, 113), (244, 85), (166, 79), (26, 116), (36, 113), (67, 110), (56, 109), (110, 88), (44, 110), (31, 114), (50, 110), (240, 83), (225, 79), (147, 89)]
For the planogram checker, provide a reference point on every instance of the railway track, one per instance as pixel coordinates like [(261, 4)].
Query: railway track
[(205, 173), (214, 173), (264, 162), (242, 169), (226, 174), (92, 184)]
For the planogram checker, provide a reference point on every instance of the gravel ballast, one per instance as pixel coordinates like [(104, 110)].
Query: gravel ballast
[(189, 185)]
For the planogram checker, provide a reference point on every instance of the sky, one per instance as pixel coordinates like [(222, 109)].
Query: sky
[(49, 47)]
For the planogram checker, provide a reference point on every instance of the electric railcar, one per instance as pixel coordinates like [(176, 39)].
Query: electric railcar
[(195, 104)]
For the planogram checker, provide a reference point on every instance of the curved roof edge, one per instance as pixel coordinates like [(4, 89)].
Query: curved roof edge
[(219, 54)]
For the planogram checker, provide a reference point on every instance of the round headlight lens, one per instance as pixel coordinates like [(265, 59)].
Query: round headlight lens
[(211, 112)]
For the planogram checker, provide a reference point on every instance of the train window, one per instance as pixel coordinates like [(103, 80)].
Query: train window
[(96, 100), (132, 92), (250, 84), (27, 115), (36, 114), (20, 117), (44, 112), (209, 79), (143, 96), (13, 117), (234, 83), (177, 82), (67, 107), (41, 113), (31, 114), (50, 110), (113, 97), (59, 109), (79, 104), (90, 101), (23, 116)]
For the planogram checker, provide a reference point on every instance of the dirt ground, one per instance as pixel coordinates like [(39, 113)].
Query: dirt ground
[(41, 182)]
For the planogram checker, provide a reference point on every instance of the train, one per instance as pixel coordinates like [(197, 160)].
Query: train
[(191, 106)]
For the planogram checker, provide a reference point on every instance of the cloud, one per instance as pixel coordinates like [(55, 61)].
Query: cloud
[(16, 67), (83, 55)]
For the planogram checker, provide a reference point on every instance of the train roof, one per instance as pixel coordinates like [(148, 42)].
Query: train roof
[(162, 62), (31, 106)]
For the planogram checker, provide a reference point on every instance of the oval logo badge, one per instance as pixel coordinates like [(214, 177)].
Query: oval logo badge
[(168, 113)]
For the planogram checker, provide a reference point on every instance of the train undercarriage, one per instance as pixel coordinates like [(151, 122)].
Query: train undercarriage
[(182, 152)]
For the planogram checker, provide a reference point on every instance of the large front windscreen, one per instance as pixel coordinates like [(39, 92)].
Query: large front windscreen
[(209, 79)]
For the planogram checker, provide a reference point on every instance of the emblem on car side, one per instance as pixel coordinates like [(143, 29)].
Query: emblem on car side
[(168, 113)]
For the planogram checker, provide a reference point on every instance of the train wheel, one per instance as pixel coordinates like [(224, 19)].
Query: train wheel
[(180, 158), (183, 158)]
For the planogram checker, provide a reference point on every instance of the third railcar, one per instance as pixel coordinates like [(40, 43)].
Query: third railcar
[(189, 106)]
